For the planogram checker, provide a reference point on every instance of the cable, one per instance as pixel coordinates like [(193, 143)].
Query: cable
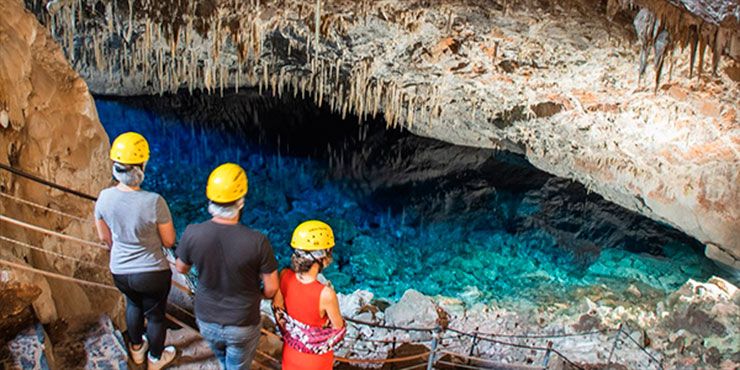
[(27, 175), (50, 232), (28, 202), (56, 276), (60, 255), (530, 336)]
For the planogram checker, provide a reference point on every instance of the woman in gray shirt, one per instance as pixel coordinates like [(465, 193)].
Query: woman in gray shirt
[(136, 224)]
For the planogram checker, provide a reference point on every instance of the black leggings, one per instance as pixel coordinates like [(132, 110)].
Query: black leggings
[(146, 295)]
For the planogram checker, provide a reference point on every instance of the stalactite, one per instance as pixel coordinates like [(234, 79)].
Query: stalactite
[(719, 42), (303, 87), (321, 86), (702, 49), (70, 35), (160, 71), (221, 72), (410, 111), (273, 84), (99, 60), (130, 20), (376, 102), (317, 25), (109, 16)]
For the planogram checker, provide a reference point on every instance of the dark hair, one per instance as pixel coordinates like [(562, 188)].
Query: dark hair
[(302, 261)]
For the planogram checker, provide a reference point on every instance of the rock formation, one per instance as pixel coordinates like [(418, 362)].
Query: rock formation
[(555, 81), (50, 128), (695, 326)]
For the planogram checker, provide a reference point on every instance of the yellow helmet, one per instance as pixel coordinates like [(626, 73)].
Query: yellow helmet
[(312, 235), (227, 183), (130, 148)]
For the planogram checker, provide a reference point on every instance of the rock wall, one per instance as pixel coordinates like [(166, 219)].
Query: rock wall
[(49, 128), (556, 81)]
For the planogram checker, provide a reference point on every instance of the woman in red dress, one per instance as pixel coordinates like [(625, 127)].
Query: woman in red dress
[(304, 298)]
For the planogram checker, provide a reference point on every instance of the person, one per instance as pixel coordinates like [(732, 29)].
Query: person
[(231, 260), (135, 224), (310, 305)]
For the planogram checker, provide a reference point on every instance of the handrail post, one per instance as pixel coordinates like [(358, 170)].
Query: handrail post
[(432, 354), (547, 354), (393, 353), (472, 345), (616, 341)]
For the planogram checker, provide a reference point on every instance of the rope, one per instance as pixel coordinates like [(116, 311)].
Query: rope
[(39, 180), (530, 336), (381, 360), (56, 276), (660, 366), (517, 345), (60, 255), (388, 327), (28, 202), (50, 232)]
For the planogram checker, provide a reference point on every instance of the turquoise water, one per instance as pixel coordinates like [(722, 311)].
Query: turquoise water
[(407, 212)]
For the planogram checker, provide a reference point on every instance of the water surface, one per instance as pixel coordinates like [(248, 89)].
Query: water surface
[(408, 212)]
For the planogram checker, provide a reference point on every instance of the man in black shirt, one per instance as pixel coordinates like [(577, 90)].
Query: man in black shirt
[(231, 259)]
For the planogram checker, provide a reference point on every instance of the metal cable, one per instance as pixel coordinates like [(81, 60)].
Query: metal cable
[(531, 336), (50, 232), (30, 203), (56, 276), (39, 180), (60, 255)]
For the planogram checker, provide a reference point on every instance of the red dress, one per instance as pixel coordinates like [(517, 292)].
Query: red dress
[(302, 304)]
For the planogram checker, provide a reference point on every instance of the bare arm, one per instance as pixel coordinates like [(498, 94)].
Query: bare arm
[(272, 285), (278, 301), (182, 267), (329, 303), (167, 234), (104, 232)]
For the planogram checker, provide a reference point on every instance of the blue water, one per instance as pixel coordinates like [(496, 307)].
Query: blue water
[(407, 212)]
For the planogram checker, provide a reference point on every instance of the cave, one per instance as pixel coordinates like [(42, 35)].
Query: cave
[(510, 184)]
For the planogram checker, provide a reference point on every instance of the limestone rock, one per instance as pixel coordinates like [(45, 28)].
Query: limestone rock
[(556, 85), (707, 316), (413, 309), (52, 132), (353, 304)]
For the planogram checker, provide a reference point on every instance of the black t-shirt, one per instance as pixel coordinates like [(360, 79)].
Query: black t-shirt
[(229, 259)]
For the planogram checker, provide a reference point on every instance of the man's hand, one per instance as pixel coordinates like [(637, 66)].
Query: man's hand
[(182, 267)]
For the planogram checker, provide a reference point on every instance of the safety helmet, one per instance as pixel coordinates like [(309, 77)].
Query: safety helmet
[(227, 183), (312, 235), (130, 148)]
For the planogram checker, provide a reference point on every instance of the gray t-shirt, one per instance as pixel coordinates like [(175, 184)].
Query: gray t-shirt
[(132, 217)]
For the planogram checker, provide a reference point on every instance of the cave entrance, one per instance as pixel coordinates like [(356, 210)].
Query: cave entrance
[(408, 212)]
